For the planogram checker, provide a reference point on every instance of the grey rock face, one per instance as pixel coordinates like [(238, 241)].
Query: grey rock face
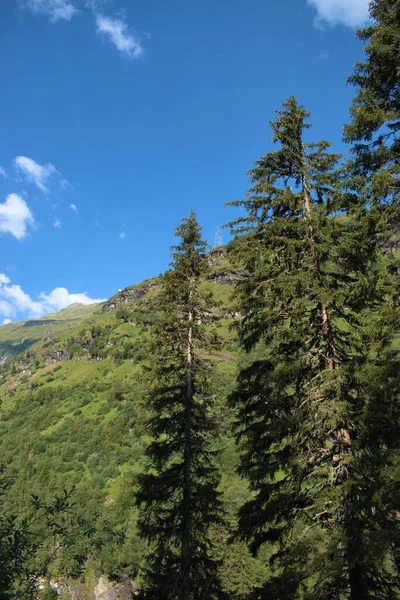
[(104, 590), (127, 296)]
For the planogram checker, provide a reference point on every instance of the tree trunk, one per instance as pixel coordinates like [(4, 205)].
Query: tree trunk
[(186, 525), (328, 338), (326, 327), (355, 558)]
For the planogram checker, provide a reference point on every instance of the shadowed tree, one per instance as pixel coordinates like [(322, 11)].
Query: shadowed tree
[(375, 166), (303, 405), (178, 495)]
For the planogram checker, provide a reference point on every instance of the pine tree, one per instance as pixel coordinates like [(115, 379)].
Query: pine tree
[(302, 410), (375, 126), (374, 134), (178, 495)]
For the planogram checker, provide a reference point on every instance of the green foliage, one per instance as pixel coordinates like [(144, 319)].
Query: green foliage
[(177, 495), (61, 437), (374, 133), (375, 124), (48, 593), (303, 416), (30, 546), (122, 313)]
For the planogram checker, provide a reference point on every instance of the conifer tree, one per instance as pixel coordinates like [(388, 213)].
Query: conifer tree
[(300, 397), (374, 134), (375, 126), (178, 495)]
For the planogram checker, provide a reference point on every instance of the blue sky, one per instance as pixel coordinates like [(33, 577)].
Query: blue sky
[(119, 116)]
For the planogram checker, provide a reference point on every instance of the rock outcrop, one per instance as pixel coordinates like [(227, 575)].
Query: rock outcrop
[(128, 296), (228, 276), (103, 589)]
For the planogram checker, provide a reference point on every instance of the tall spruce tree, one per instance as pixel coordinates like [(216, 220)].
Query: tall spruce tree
[(301, 398), (178, 495), (374, 134)]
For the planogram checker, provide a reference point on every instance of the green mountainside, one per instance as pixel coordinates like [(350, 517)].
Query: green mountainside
[(17, 337), (73, 412)]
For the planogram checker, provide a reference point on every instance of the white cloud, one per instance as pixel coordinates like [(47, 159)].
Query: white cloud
[(34, 172), (57, 223), (117, 32), (352, 13), (73, 207), (6, 309), (6, 321), (18, 301), (15, 216), (15, 302), (3, 172), (56, 10), (61, 298)]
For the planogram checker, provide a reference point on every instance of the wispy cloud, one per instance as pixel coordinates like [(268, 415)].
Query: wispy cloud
[(322, 57), (122, 233), (55, 10), (6, 321), (15, 302), (15, 216), (57, 223), (35, 173), (117, 32), (3, 172), (352, 13), (73, 207), (64, 184)]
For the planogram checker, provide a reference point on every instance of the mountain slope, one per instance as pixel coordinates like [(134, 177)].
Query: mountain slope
[(17, 337)]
